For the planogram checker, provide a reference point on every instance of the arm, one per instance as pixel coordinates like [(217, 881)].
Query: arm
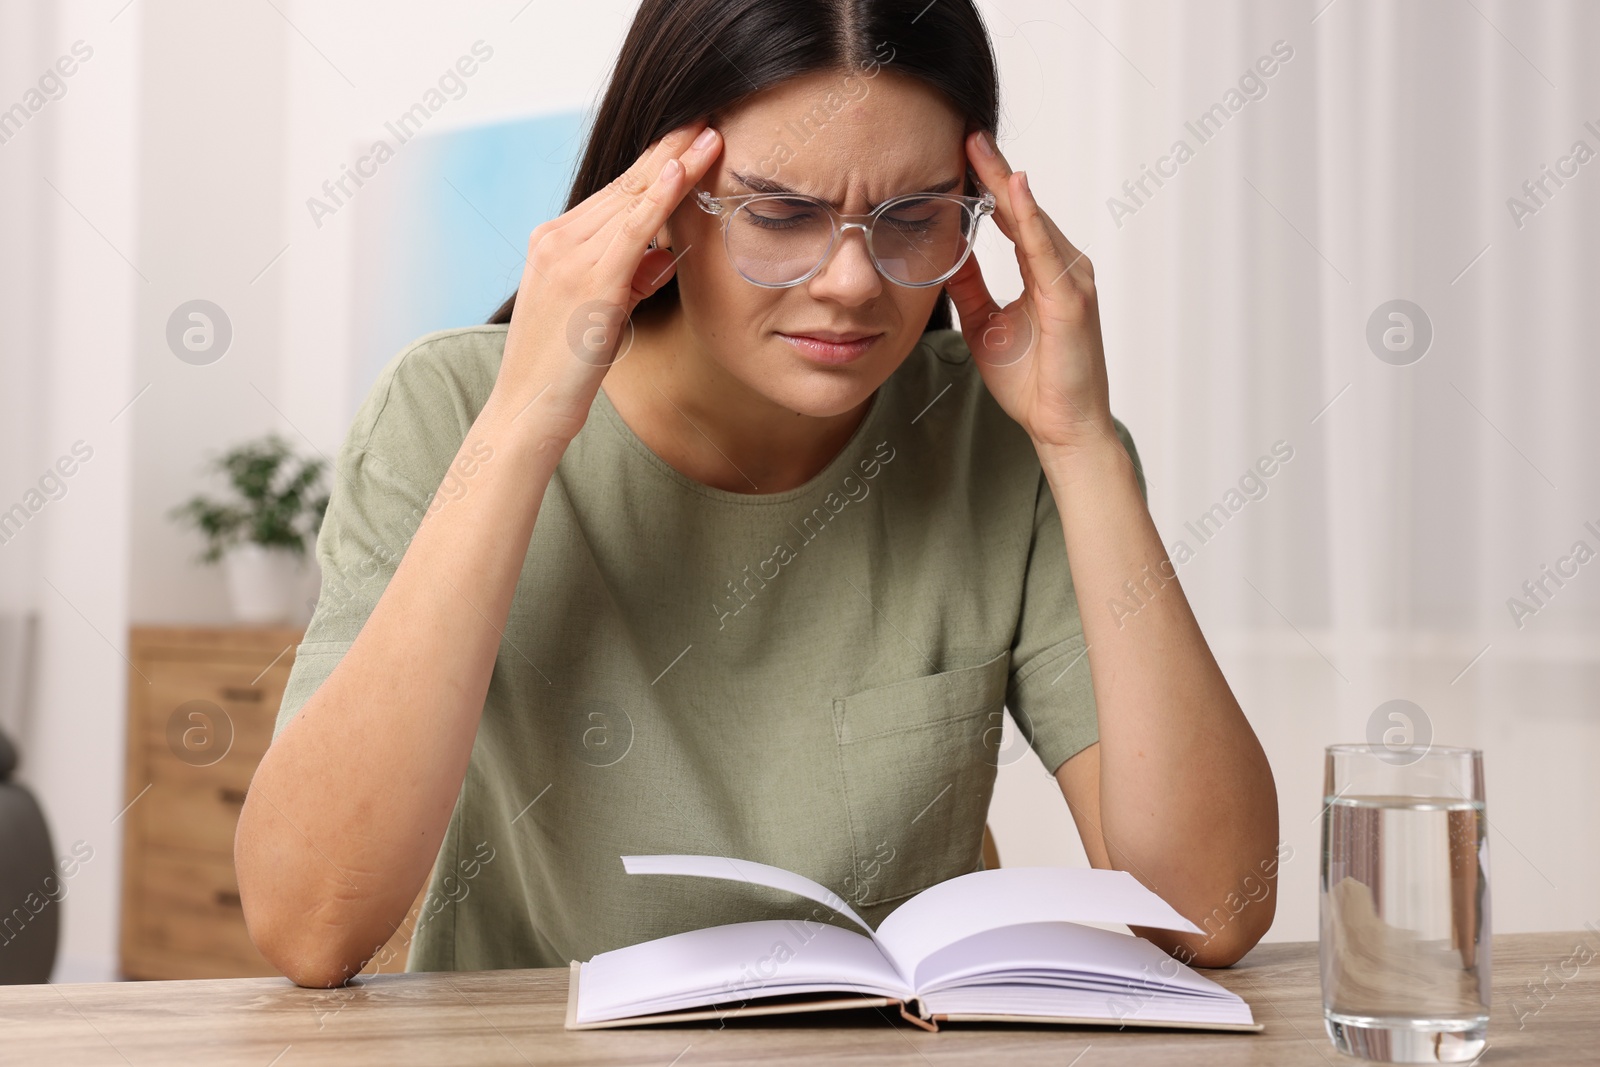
[(1186, 802), (1177, 791), (347, 810)]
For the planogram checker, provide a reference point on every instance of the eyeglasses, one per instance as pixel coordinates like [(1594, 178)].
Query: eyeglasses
[(778, 240)]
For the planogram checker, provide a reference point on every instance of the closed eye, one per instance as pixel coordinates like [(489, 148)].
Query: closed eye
[(778, 213)]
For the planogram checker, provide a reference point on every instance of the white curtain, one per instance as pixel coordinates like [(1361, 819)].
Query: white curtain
[(70, 284), (1235, 300)]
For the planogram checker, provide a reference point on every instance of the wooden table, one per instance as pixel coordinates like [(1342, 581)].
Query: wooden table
[(515, 1017)]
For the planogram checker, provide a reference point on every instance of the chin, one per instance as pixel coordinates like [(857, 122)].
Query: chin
[(822, 391), (819, 394)]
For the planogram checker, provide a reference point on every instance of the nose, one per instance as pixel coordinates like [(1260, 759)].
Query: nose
[(849, 276)]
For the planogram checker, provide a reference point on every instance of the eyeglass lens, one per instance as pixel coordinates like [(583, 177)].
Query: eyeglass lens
[(779, 240)]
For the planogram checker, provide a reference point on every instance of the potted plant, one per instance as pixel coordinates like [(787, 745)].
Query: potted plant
[(261, 537)]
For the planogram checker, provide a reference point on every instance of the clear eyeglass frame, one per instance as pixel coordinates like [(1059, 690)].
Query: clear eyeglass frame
[(725, 207)]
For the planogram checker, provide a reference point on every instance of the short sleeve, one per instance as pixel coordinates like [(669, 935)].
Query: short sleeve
[(1050, 693), (404, 437), (372, 516)]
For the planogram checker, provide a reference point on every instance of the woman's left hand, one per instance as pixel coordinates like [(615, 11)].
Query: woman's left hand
[(1041, 355)]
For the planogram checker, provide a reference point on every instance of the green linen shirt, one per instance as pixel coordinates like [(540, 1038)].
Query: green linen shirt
[(811, 678)]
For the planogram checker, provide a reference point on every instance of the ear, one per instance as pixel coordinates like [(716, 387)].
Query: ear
[(656, 269)]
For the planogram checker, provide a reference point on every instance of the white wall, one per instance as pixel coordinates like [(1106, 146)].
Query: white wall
[(372, 60), (246, 114), (210, 174), (72, 282)]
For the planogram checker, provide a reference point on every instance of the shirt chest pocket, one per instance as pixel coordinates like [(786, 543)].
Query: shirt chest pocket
[(917, 762)]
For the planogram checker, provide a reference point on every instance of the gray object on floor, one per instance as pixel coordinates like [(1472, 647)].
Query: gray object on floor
[(30, 885)]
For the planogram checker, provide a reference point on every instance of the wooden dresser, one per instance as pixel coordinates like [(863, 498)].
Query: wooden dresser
[(201, 706)]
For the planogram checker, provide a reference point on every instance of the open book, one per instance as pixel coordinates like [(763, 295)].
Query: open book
[(1004, 945)]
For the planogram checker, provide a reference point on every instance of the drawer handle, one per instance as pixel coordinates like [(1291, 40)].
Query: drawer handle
[(244, 694), (228, 899), (231, 796)]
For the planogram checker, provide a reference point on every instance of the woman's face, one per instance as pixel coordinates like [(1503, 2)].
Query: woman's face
[(854, 140)]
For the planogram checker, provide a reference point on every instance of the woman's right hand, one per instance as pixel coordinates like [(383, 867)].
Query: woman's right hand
[(585, 272)]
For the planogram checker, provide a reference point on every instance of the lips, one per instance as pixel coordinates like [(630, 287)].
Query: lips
[(832, 347), (832, 337)]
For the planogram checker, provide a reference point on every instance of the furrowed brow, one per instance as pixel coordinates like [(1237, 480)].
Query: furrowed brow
[(757, 184)]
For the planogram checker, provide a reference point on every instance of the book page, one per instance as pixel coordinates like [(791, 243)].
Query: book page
[(745, 871), (1067, 956), (732, 964), (956, 909)]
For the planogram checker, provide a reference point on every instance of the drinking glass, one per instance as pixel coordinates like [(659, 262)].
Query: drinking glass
[(1404, 944)]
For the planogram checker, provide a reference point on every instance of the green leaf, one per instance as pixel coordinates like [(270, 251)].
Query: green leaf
[(276, 501)]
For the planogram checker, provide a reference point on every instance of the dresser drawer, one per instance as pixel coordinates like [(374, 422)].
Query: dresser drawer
[(189, 914), (203, 711), (186, 922), (190, 817)]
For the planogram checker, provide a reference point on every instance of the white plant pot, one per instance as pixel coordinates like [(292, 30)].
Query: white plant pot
[(265, 585)]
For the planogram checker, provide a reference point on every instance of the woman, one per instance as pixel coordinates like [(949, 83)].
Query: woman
[(718, 539)]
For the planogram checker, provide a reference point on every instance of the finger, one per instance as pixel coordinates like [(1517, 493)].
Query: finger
[(632, 230), (995, 338), (995, 173), (637, 179), (1025, 262), (1077, 262), (1011, 204), (1050, 271), (1072, 257), (970, 293), (622, 192), (644, 211), (992, 169)]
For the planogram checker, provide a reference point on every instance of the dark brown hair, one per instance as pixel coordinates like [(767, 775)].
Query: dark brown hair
[(689, 59)]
